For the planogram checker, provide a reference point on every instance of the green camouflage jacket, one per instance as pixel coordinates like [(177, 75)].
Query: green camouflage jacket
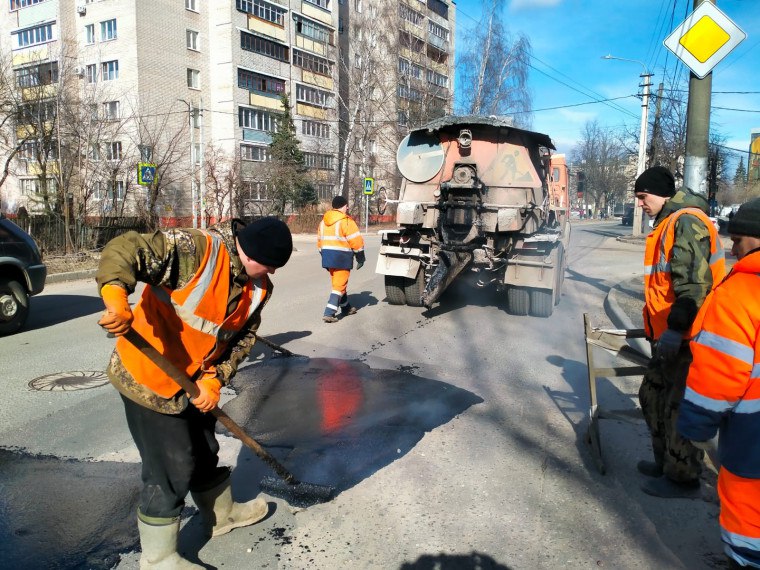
[(169, 259), (690, 265)]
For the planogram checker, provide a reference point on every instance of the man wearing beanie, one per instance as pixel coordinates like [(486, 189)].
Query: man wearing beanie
[(683, 261), (723, 389), (339, 241), (201, 308)]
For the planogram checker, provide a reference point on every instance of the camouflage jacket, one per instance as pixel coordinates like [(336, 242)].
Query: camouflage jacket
[(170, 259), (690, 265)]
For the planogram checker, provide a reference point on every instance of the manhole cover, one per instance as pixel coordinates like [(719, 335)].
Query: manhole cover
[(77, 380)]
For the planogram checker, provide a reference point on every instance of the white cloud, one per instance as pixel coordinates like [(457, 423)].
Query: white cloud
[(523, 4)]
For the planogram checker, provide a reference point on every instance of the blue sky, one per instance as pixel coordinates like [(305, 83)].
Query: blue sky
[(569, 38)]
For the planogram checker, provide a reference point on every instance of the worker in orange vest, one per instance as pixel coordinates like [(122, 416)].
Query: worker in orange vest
[(200, 308), (683, 261), (339, 241), (723, 389)]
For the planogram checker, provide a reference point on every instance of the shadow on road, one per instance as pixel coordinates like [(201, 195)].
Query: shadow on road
[(472, 561), (49, 310)]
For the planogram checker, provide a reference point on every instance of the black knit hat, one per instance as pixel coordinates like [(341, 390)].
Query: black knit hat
[(657, 180), (339, 202), (746, 220), (267, 241)]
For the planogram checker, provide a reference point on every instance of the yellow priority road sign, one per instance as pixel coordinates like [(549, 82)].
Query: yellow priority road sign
[(704, 38)]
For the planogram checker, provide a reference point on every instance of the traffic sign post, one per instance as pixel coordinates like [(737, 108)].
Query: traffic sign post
[(369, 189)]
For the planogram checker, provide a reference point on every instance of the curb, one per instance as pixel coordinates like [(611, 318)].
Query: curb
[(70, 276)]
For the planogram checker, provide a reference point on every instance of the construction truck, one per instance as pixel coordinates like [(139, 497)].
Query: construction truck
[(482, 198)]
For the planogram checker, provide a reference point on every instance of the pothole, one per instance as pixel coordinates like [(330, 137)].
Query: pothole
[(67, 381)]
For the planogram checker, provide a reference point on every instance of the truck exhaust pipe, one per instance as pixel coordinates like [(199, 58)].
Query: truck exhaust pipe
[(450, 264)]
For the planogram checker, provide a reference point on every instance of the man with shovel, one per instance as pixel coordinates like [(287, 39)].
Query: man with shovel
[(723, 389), (200, 309)]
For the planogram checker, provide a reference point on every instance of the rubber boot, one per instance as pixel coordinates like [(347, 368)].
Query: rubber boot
[(221, 514), (665, 488), (159, 545)]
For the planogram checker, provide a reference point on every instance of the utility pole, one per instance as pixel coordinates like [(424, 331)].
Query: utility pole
[(202, 188), (697, 129), (656, 125)]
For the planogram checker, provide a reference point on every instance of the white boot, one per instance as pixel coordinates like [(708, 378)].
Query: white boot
[(159, 546), (221, 514)]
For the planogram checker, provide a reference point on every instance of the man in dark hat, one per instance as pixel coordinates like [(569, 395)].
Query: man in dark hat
[(339, 241), (683, 261), (201, 308), (723, 389)]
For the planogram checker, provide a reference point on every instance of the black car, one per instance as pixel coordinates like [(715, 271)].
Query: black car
[(22, 274), (627, 219)]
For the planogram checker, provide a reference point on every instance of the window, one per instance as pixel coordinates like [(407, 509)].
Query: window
[(191, 37), (196, 153), (406, 92), (358, 5), (191, 5), (407, 68), (36, 112), (318, 161), (110, 110), (312, 96), (257, 120), (254, 153), (28, 151), (372, 146), (257, 44), (402, 118), (325, 4), (439, 31), (406, 13), (89, 34), (93, 153), (260, 83), (439, 8), (325, 192), (43, 74), (17, 4), (113, 151), (115, 191), (108, 30), (193, 78), (255, 191), (31, 186), (435, 78), (109, 70), (312, 30), (407, 40), (315, 129), (93, 112), (311, 62), (91, 73), (33, 36), (146, 152), (263, 10)]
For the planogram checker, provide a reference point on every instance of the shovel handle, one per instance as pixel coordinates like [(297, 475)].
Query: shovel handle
[(189, 386)]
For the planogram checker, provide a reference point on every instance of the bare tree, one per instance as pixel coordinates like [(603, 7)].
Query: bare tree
[(494, 67)]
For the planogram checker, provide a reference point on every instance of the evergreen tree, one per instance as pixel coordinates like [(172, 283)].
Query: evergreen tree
[(288, 181), (740, 177)]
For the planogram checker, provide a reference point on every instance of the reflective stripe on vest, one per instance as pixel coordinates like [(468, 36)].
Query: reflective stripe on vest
[(658, 286), (190, 325), (336, 242)]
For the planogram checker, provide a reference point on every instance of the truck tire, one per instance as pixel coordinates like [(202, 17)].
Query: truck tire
[(518, 301), (541, 302), (413, 289), (394, 290), (14, 306)]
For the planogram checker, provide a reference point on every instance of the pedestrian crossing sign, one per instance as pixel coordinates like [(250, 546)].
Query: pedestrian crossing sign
[(369, 186), (146, 173)]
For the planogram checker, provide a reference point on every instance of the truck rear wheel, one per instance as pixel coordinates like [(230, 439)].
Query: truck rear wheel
[(413, 289), (518, 301), (541, 302), (394, 289)]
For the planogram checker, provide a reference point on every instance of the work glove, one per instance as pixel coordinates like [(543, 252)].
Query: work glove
[(359, 264), (669, 344), (118, 317), (208, 397)]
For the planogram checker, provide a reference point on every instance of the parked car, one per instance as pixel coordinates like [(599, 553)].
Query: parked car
[(627, 219), (22, 274)]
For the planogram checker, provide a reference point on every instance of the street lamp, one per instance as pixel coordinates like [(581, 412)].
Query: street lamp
[(192, 161), (637, 222)]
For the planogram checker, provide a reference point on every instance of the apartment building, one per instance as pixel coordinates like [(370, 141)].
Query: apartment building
[(397, 74), (194, 88)]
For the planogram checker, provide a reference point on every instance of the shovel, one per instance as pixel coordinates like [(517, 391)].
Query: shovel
[(297, 493)]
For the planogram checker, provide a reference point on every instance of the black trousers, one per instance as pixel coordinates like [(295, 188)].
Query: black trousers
[(179, 454)]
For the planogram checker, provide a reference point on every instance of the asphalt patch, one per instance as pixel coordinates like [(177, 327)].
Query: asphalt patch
[(65, 513)]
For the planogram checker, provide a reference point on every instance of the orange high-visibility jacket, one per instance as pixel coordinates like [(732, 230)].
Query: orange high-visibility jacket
[(659, 295), (189, 325), (339, 240)]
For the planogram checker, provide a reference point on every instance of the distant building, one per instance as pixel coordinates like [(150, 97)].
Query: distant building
[(753, 169)]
